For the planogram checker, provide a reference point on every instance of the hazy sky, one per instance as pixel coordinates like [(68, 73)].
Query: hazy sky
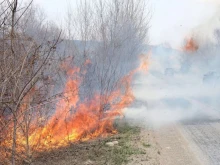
[(172, 20)]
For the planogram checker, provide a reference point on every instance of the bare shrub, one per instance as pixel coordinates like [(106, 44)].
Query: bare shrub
[(24, 83)]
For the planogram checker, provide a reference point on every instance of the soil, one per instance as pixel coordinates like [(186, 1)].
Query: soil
[(168, 145), (85, 153), (147, 141), (113, 150)]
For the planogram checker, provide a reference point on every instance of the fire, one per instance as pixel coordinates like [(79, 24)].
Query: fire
[(144, 59), (191, 45), (74, 120)]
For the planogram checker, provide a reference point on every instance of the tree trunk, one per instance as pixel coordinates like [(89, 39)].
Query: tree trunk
[(14, 137)]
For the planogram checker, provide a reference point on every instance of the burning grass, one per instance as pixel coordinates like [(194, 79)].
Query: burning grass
[(96, 151), (73, 120), (89, 121)]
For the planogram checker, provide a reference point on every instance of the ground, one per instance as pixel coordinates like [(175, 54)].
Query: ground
[(129, 144), (190, 143)]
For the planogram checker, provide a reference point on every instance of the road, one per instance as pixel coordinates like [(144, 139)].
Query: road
[(205, 135), (195, 142)]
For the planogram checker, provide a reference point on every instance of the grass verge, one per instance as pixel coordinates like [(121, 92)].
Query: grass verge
[(121, 153), (96, 152)]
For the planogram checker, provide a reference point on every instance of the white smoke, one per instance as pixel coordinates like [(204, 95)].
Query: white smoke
[(179, 86), (205, 32), (216, 2), (182, 85)]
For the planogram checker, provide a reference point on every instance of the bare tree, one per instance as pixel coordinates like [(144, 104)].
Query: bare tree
[(112, 34), (24, 82)]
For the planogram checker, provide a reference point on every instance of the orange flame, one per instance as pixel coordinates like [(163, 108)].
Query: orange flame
[(73, 120), (144, 62), (191, 45)]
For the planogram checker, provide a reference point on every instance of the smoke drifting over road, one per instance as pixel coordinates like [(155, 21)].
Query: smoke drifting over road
[(181, 85)]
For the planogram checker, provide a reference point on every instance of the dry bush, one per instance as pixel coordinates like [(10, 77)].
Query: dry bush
[(24, 83), (112, 35)]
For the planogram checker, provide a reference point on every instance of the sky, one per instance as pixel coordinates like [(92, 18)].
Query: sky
[(172, 20)]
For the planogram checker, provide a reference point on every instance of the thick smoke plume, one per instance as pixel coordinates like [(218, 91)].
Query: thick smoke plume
[(181, 85)]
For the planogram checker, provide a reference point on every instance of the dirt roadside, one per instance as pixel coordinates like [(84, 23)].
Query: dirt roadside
[(147, 141), (167, 146)]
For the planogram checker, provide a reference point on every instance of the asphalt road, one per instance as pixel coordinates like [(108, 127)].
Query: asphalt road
[(192, 142), (204, 137)]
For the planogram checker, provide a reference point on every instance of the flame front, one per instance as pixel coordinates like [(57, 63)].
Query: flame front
[(144, 60), (191, 45), (74, 120)]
